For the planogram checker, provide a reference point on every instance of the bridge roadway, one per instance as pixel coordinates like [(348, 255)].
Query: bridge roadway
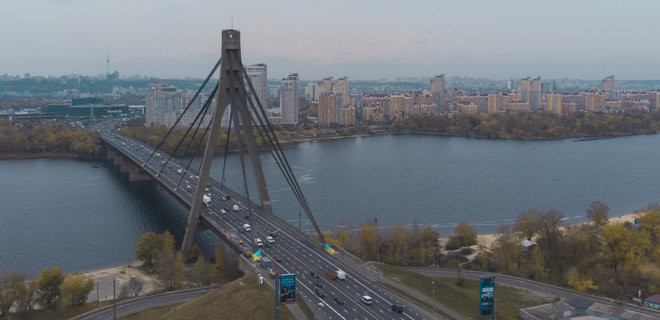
[(300, 254)]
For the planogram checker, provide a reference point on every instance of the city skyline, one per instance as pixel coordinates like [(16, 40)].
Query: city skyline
[(363, 41)]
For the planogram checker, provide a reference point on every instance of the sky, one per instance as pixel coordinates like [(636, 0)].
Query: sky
[(361, 39)]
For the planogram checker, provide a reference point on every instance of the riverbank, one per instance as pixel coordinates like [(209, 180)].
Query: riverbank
[(486, 241), (103, 281), (36, 155)]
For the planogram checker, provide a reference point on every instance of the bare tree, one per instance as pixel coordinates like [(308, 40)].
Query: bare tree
[(597, 213), (132, 288)]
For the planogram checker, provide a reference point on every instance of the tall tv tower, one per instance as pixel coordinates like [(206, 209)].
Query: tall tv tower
[(107, 64)]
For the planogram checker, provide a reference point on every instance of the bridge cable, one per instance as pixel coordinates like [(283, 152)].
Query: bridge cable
[(277, 155), (239, 143), (200, 117), (284, 167), (224, 162), (184, 111), (199, 142)]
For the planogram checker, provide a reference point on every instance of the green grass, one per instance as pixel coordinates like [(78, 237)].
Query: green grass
[(464, 299), (413, 298), (151, 314), (239, 299)]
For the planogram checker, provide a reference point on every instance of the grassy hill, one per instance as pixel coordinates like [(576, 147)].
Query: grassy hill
[(239, 299)]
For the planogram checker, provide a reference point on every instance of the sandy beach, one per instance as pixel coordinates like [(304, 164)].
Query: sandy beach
[(103, 281)]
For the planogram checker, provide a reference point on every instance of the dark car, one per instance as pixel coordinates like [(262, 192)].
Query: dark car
[(339, 300), (278, 259), (274, 233), (314, 274), (319, 284), (397, 307), (320, 293)]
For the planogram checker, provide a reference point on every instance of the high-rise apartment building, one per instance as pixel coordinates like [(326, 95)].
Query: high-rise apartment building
[(438, 91), (329, 108), (165, 103), (341, 87), (289, 99), (535, 93), (312, 91), (258, 77), (524, 87), (553, 103), (608, 85)]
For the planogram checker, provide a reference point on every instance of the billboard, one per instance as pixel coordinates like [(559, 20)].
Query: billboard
[(486, 295), (287, 288)]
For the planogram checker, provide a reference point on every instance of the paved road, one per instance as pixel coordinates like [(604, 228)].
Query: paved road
[(299, 254), (125, 308), (534, 286)]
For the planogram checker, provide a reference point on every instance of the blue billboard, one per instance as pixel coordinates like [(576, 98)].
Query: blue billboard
[(487, 296), (287, 288)]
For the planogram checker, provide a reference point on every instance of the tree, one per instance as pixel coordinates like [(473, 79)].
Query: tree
[(204, 272), (528, 223), (150, 245), (48, 284), (12, 290), (195, 252), (75, 289), (597, 213), (466, 233), (649, 220), (615, 244), (368, 241), (169, 268), (27, 301), (132, 288), (147, 248), (506, 245)]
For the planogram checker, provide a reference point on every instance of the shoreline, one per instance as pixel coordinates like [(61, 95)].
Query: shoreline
[(286, 143), (487, 240), (104, 286)]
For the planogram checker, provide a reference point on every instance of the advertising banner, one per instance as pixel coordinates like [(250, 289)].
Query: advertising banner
[(287, 288), (486, 295)]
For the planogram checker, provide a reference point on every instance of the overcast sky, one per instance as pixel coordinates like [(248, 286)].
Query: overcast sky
[(360, 39)]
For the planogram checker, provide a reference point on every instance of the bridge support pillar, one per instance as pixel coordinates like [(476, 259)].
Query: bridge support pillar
[(135, 174), (230, 92)]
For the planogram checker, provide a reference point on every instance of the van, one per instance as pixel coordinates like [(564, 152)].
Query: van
[(246, 227)]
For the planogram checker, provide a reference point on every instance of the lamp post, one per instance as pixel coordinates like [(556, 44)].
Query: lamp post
[(114, 300), (377, 251)]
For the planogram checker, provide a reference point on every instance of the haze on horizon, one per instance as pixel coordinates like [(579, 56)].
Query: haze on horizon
[(359, 39)]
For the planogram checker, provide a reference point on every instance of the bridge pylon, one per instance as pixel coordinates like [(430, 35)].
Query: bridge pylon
[(230, 93)]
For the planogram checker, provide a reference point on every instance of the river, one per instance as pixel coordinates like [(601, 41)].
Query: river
[(81, 215)]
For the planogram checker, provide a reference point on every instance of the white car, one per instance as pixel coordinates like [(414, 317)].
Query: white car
[(179, 171), (258, 242), (188, 187), (270, 240), (366, 299), (246, 227), (235, 207), (223, 211)]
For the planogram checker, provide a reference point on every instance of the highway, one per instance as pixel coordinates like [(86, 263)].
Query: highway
[(299, 254)]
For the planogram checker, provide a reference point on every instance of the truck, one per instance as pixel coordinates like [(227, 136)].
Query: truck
[(333, 275), (207, 200), (266, 263)]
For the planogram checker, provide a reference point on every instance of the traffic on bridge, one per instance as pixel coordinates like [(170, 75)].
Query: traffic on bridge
[(290, 250)]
